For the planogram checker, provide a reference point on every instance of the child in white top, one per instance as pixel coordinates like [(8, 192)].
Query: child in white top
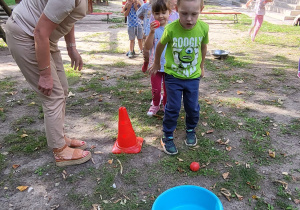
[(260, 11)]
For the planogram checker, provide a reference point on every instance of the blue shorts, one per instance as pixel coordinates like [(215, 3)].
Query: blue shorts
[(136, 31)]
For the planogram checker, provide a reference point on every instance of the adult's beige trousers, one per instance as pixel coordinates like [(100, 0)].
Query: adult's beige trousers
[(22, 48)]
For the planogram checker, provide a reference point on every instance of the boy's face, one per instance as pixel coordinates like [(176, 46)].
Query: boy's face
[(162, 17), (188, 13)]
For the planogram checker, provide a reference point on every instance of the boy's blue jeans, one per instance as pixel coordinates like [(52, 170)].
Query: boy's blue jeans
[(176, 88)]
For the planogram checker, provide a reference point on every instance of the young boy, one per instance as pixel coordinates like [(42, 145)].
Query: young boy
[(186, 40), (134, 24)]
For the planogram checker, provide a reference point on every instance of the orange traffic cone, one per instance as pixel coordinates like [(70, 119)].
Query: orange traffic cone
[(126, 142)]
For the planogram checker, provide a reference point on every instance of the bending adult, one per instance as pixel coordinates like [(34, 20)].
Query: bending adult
[(33, 31)]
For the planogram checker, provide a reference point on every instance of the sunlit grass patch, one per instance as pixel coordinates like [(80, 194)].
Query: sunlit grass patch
[(2, 44), (73, 75)]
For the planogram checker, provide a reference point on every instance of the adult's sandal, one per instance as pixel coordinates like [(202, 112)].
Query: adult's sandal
[(74, 143), (78, 156)]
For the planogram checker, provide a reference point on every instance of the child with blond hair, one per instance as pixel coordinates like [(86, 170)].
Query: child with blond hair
[(186, 40)]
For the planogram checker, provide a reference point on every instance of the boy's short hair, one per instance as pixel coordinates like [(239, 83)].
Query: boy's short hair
[(159, 5), (201, 2)]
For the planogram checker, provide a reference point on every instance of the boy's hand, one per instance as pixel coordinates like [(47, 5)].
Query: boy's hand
[(202, 70), (154, 68)]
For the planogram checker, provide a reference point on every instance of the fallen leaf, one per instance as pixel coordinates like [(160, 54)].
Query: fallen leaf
[(92, 159), (271, 154), (110, 161), (247, 165), (24, 135), (225, 175), (93, 147), (285, 173), (182, 117), (284, 184), (32, 103), (5, 188), (98, 152), (240, 123), (15, 166), (213, 187), (226, 193), (1, 109), (228, 148), (210, 131), (22, 188), (255, 197), (297, 201), (180, 170), (202, 134), (121, 167), (240, 81), (239, 92), (54, 207), (96, 206), (239, 196), (71, 94), (204, 123), (179, 159)]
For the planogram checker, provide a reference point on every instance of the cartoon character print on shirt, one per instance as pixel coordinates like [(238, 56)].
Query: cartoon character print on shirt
[(186, 53)]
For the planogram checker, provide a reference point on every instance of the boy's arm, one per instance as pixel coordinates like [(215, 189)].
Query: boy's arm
[(203, 52), (156, 65), (127, 9)]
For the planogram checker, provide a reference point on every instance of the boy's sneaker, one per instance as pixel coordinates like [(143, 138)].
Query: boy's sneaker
[(168, 145), (130, 54), (145, 66), (191, 138), (153, 110)]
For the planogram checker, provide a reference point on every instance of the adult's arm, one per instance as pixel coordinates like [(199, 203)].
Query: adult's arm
[(76, 60), (42, 32)]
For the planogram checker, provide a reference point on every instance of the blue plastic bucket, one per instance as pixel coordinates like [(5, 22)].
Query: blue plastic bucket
[(187, 197)]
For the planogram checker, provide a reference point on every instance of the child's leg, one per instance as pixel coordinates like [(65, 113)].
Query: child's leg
[(146, 55), (258, 21), (131, 38), (165, 91), (252, 26), (156, 87), (174, 89), (191, 104), (131, 45)]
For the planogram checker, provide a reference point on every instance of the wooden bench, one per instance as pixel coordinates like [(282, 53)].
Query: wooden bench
[(102, 13), (235, 17)]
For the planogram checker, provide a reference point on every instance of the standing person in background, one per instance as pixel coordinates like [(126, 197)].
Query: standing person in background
[(260, 11), (186, 41), (134, 25), (33, 31), (160, 13), (144, 13)]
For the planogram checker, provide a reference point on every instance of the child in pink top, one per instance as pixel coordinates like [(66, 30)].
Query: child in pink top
[(260, 11)]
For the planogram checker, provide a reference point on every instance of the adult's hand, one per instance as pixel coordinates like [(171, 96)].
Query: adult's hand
[(45, 84), (76, 60)]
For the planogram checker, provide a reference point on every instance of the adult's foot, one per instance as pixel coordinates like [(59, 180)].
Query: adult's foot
[(75, 143)]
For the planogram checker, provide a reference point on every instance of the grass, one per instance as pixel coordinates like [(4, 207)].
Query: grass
[(25, 141), (146, 175), (10, 2)]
